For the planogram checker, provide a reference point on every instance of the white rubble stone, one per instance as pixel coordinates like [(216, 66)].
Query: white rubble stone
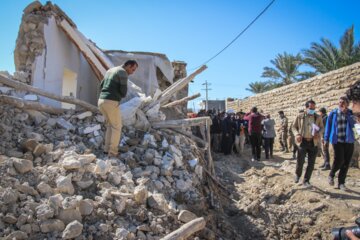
[(165, 143), (37, 116), (86, 207), (114, 178), (158, 201), (22, 165), (84, 115), (65, 124), (72, 230), (158, 184), (26, 189), (149, 140), (182, 185), (44, 188), (52, 225), (5, 90), (71, 202), (69, 215), (199, 171), (35, 136), (31, 97), (140, 194), (71, 163), (100, 118), (186, 216), (193, 162), (102, 167), (96, 133), (91, 129), (177, 155), (51, 122), (120, 205), (87, 158), (103, 227), (18, 235), (64, 185), (122, 233), (84, 184), (44, 212)]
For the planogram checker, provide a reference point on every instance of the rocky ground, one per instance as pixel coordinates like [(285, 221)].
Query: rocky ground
[(57, 184), (265, 203)]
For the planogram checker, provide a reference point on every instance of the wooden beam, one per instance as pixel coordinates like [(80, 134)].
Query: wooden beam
[(186, 230), (210, 159), (24, 87), (181, 101), (22, 104), (191, 136), (188, 122), (105, 61), (94, 63), (172, 89)]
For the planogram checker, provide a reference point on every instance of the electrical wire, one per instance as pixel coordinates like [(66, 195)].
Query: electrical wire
[(242, 32)]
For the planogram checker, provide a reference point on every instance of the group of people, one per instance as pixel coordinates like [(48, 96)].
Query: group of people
[(308, 135)]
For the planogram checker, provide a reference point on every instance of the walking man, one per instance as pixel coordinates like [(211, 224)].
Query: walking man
[(269, 135), (339, 132), (113, 89), (255, 128), (283, 132), (307, 128), (324, 146), (240, 133)]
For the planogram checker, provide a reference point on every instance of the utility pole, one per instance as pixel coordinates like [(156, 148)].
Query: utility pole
[(206, 89)]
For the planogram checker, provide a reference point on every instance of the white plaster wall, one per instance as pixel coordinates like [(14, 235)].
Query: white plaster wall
[(58, 54), (145, 76)]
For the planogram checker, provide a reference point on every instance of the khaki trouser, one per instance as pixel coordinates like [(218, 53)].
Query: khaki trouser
[(111, 111), (239, 143)]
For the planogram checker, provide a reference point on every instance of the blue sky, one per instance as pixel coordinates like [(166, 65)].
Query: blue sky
[(194, 31)]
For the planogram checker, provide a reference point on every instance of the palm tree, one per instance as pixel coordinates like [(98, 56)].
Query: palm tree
[(325, 56), (258, 87), (285, 70)]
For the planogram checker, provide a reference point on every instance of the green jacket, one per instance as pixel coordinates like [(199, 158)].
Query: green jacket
[(114, 84)]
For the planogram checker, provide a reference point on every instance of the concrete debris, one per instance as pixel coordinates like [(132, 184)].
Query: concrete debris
[(57, 177)]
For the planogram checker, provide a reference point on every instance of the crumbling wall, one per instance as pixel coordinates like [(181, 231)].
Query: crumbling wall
[(44, 55), (324, 89), (180, 110), (30, 41)]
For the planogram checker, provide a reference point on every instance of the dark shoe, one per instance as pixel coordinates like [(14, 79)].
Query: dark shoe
[(294, 156), (331, 181), (307, 184), (326, 168), (296, 179), (342, 187)]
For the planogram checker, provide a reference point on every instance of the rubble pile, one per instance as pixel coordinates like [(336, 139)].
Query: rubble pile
[(57, 183)]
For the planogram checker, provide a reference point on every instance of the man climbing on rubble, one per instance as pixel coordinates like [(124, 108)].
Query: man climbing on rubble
[(307, 128), (113, 89), (283, 131)]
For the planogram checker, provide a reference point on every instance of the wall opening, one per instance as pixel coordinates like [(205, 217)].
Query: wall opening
[(69, 87)]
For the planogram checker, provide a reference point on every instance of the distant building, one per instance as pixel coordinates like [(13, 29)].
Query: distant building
[(218, 105)]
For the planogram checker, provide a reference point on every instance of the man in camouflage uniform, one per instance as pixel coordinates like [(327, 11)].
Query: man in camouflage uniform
[(283, 131)]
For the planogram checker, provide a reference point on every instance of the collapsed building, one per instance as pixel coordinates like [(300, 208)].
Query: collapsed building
[(55, 180)]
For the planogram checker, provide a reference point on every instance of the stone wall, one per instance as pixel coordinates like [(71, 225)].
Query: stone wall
[(324, 89)]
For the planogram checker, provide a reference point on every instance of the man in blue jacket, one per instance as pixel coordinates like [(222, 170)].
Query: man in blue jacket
[(339, 132)]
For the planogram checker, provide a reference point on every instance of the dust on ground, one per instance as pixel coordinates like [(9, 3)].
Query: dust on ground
[(265, 203)]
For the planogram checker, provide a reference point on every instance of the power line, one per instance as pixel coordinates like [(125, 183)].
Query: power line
[(243, 31)]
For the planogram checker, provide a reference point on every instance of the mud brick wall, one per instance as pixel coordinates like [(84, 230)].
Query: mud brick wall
[(324, 89)]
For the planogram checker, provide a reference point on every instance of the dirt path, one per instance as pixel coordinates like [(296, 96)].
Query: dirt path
[(267, 204)]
